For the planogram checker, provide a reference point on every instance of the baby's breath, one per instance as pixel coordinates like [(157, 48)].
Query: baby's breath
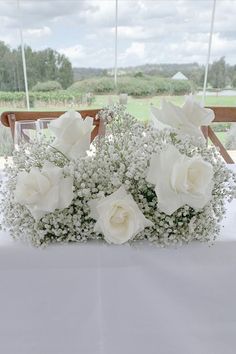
[(121, 157)]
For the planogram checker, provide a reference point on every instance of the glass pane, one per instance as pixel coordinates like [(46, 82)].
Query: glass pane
[(10, 71), (70, 46), (162, 51), (25, 132), (69, 50), (222, 71)]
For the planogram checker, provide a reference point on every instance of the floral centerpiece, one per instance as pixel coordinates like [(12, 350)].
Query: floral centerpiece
[(158, 182)]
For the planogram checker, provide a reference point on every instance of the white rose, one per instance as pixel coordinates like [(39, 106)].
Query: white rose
[(118, 217), (180, 180), (187, 119), (197, 114), (73, 134), (43, 191)]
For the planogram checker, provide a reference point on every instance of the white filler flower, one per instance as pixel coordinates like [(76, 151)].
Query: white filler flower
[(187, 119), (118, 217), (180, 180), (73, 134), (43, 191)]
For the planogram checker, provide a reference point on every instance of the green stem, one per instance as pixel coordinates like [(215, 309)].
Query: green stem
[(59, 152)]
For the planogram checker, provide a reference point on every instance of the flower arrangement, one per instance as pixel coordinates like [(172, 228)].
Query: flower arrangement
[(160, 184)]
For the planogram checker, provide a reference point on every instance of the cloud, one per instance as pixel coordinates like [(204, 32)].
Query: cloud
[(98, 13), (38, 12), (138, 33), (136, 49), (75, 53), (148, 31), (223, 45), (130, 32), (37, 32), (83, 56)]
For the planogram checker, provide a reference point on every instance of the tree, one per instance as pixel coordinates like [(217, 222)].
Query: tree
[(42, 66), (217, 73), (65, 71), (234, 81), (7, 68)]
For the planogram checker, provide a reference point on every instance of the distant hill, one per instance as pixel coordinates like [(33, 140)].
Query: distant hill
[(149, 69), (165, 70), (85, 73), (191, 70)]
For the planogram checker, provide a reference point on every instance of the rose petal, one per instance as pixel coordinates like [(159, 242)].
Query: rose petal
[(180, 180), (73, 134), (43, 191), (197, 114), (118, 217), (65, 193)]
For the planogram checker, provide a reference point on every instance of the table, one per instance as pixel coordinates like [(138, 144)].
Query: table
[(98, 299)]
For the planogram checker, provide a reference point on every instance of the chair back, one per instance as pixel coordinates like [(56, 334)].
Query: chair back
[(222, 115), (9, 118)]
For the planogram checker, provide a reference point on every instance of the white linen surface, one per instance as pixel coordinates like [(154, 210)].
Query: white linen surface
[(98, 299)]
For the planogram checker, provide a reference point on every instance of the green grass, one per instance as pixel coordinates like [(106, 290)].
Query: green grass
[(222, 136), (140, 107)]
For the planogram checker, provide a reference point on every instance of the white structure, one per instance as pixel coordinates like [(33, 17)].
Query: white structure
[(179, 76)]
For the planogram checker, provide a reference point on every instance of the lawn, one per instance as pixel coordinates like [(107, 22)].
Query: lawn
[(140, 107), (221, 136)]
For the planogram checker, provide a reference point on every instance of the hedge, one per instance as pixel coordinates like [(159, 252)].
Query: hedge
[(47, 86), (133, 86)]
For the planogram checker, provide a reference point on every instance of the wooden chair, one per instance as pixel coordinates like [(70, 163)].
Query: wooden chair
[(222, 115), (9, 118)]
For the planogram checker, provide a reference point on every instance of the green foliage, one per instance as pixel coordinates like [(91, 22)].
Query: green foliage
[(54, 97), (95, 85), (161, 86), (136, 86), (217, 73), (44, 65), (65, 72), (7, 69), (234, 81), (50, 97), (220, 127), (139, 74), (11, 96), (180, 87), (47, 86)]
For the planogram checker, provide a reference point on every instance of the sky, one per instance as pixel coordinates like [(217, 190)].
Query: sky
[(149, 31)]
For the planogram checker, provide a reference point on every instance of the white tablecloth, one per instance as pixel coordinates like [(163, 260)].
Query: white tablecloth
[(98, 299)]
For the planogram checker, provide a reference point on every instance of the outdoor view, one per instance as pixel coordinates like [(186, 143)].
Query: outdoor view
[(161, 52)]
